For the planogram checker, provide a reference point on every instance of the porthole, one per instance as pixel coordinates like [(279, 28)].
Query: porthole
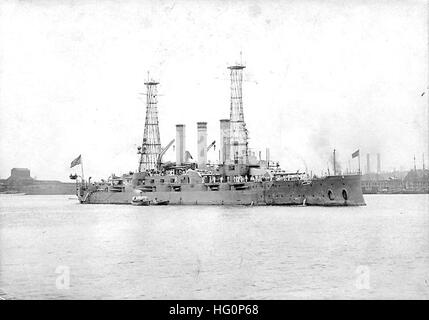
[(330, 195), (345, 195)]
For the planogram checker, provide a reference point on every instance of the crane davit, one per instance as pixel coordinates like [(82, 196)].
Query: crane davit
[(161, 154)]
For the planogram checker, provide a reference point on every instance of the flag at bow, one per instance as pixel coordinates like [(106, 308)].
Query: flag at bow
[(355, 154), (76, 161)]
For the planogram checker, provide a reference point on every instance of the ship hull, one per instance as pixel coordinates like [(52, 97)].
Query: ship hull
[(328, 191)]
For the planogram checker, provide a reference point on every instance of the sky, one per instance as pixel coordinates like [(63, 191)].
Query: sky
[(319, 76)]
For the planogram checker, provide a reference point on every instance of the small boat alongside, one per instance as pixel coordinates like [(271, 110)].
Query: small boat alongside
[(160, 202), (140, 201)]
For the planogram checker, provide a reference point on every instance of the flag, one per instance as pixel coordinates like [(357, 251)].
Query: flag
[(355, 154), (75, 162)]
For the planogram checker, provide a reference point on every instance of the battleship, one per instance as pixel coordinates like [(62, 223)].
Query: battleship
[(238, 177)]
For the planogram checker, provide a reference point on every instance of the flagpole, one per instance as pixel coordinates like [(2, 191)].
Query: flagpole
[(334, 164), (81, 167)]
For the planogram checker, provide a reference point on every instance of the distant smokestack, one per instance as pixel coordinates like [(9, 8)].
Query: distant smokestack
[(368, 164), (378, 164), (267, 156), (202, 144), (180, 144), (224, 140)]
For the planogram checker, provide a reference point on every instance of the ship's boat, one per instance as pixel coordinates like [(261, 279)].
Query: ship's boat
[(140, 201), (157, 202)]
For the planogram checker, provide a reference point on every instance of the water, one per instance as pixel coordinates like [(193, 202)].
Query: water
[(203, 252)]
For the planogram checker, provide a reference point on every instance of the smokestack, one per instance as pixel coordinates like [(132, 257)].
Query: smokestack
[(368, 165), (378, 164), (180, 144), (202, 144), (224, 140), (267, 156)]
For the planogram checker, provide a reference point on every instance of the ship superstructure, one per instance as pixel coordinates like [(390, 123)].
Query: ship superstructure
[(232, 180)]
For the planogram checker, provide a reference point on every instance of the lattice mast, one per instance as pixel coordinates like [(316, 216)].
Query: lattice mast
[(238, 131), (151, 145)]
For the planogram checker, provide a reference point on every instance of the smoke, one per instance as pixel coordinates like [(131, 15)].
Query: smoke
[(305, 164), (323, 147), (319, 142), (338, 167)]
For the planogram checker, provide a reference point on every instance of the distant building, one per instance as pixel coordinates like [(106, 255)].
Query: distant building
[(417, 180), (414, 181), (20, 181), (393, 185), (20, 175)]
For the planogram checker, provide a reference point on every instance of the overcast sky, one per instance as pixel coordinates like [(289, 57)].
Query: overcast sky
[(319, 75)]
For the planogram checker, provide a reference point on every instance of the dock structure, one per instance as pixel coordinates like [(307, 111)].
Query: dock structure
[(151, 145)]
